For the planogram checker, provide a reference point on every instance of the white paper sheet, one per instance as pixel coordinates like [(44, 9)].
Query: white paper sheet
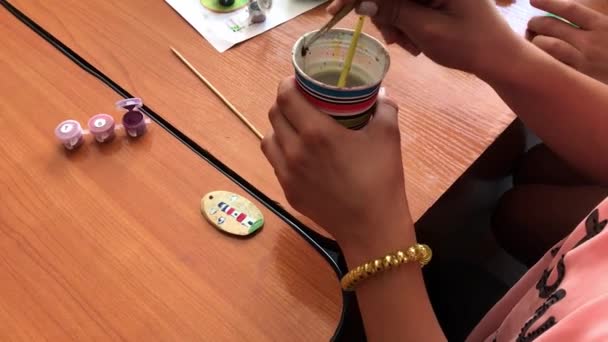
[(227, 29)]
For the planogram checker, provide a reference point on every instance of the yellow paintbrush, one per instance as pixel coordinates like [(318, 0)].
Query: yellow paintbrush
[(351, 52)]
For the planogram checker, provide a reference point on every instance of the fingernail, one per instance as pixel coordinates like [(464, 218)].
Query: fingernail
[(367, 8), (383, 91)]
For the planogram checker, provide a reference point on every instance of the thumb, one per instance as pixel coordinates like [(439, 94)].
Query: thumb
[(386, 116)]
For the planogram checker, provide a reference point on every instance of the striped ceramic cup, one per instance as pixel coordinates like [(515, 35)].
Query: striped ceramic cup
[(317, 74)]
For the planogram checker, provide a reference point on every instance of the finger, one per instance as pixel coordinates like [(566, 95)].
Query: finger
[(406, 43), (406, 16), (283, 131), (547, 26), (530, 35), (337, 5), (559, 49), (370, 8), (386, 115), (570, 10), (273, 153), (389, 33), (300, 114)]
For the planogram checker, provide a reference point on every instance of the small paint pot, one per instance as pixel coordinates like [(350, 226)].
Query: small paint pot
[(102, 126), (318, 70), (70, 133), (134, 123), (256, 14)]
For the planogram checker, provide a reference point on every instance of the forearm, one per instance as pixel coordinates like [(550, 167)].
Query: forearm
[(566, 109), (394, 304)]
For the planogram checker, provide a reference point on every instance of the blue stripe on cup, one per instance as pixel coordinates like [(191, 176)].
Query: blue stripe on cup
[(340, 100), (336, 93)]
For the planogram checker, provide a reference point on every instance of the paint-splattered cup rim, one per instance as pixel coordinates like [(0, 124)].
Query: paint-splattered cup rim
[(297, 50)]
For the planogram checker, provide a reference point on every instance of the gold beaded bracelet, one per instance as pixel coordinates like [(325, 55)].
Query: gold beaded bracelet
[(419, 253)]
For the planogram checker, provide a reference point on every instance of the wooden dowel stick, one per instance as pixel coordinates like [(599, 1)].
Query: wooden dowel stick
[(218, 94)]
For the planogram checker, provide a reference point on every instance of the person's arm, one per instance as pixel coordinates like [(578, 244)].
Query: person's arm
[(352, 184), (394, 305), (565, 108)]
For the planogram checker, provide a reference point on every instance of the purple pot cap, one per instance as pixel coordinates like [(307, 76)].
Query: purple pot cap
[(101, 123), (68, 130), (130, 104)]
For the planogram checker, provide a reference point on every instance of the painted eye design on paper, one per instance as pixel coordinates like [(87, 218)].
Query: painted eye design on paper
[(221, 220)]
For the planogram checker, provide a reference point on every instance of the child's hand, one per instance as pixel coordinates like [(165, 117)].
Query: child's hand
[(584, 48), (349, 182), (465, 34)]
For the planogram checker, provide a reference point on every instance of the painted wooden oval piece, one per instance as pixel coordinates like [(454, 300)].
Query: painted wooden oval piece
[(231, 213)]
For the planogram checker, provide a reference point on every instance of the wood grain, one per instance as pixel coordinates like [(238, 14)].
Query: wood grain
[(448, 118), (108, 243)]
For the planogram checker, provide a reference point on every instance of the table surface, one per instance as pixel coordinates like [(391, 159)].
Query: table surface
[(448, 118), (108, 242)]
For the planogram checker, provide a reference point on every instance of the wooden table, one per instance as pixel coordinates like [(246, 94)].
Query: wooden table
[(108, 243), (448, 118)]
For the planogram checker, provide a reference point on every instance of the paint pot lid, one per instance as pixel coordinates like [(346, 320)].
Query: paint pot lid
[(231, 213), (100, 123), (129, 104), (68, 129)]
